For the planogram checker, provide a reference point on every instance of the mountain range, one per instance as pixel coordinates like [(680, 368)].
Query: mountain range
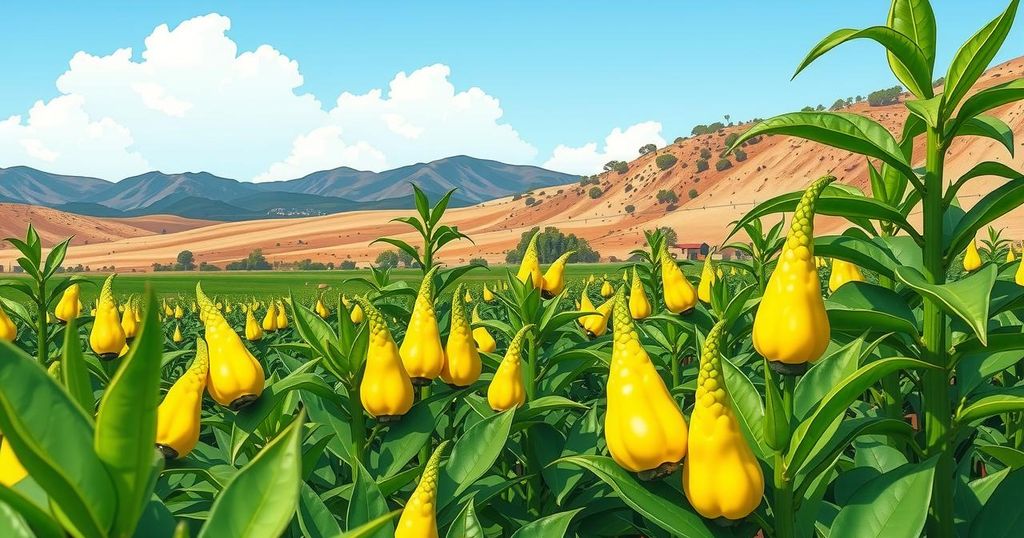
[(201, 195)]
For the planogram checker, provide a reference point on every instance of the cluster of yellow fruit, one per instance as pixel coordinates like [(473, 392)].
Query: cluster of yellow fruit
[(972, 261)]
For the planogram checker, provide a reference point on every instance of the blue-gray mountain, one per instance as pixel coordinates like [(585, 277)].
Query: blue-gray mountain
[(206, 196)]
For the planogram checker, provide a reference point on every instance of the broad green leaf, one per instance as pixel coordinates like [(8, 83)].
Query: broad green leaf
[(367, 530), (405, 438), (581, 439), (544, 405), (552, 525), (261, 499), (830, 448), (977, 362), (1003, 514), (909, 63), (367, 504), (994, 403), (974, 57), (966, 299), (926, 109), (1008, 456), (894, 504), (865, 253), (748, 406), (12, 524), (466, 524), (857, 306), (669, 514), (126, 422), (825, 374), (987, 127), (987, 99), (53, 439), (986, 168), (993, 205), (474, 454), (73, 370), (915, 19), (842, 130)]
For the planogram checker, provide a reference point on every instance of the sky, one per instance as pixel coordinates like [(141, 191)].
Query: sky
[(261, 91)]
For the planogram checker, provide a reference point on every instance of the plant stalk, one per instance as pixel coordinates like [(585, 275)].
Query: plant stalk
[(785, 507), (41, 327)]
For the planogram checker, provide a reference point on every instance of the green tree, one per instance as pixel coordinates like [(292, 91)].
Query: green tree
[(186, 261), (648, 148), (551, 243), (596, 192), (665, 161), (387, 259)]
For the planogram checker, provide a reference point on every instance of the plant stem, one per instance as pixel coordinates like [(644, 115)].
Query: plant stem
[(530, 368), (358, 427), (785, 508), (935, 382), (41, 327)]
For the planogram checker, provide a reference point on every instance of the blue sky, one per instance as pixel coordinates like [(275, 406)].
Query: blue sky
[(565, 74)]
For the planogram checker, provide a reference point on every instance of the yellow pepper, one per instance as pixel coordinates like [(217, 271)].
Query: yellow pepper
[(236, 377), (643, 426), (107, 337), (129, 323), (507, 389), (253, 331), (1010, 256), (790, 326), (177, 423), (282, 316), (321, 309), (422, 352), (178, 312), (11, 471), (357, 315), (843, 272), (270, 319), (553, 281), (972, 259), (468, 298), (597, 324), (707, 280), (721, 475), (484, 341), (529, 269), (488, 295), (462, 360), (607, 290), (8, 330), (1019, 276), (639, 306), (680, 297), (68, 307), (419, 517), (177, 338), (386, 391)]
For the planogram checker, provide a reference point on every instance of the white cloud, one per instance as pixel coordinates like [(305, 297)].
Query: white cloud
[(618, 145), (322, 149)]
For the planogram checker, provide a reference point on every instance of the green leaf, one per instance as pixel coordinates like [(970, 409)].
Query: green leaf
[(857, 306), (315, 519), (894, 504), (777, 429), (318, 334), (73, 370), (974, 57), (544, 405), (53, 439), (865, 253), (986, 168), (474, 454), (55, 258), (1003, 514), (915, 19), (260, 500), (987, 127), (422, 202), (926, 109), (440, 207), (669, 514), (12, 524), (466, 524), (1006, 400), (824, 375), (126, 422), (829, 448), (552, 525), (909, 63), (581, 439), (987, 99), (747, 403), (404, 439), (834, 404), (1010, 457), (367, 530), (841, 130), (367, 504), (966, 299), (993, 205)]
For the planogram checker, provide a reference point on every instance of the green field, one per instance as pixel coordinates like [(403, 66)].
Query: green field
[(303, 284)]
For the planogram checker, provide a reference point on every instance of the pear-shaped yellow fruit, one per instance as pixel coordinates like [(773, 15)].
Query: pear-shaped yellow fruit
[(462, 360), (129, 323), (607, 290), (1019, 276), (178, 312), (107, 337), (419, 517), (1010, 257), (721, 475), (422, 353), (177, 423), (468, 297), (177, 338), (972, 259), (790, 326), (507, 389), (586, 305), (643, 425), (639, 306), (680, 297), (357, 314), (168, 311), (8, 330), (529, 269), (843, 272), (553, 281), (597, 324), (236, 377), (386, 390), (11, 471), (707, 280), (321, 309), (253, 331), (270, 319), (484, 341), (69, 306), (488, 295), (282, 316)]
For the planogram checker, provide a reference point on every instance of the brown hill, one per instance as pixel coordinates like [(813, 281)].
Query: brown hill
[(773, 166)]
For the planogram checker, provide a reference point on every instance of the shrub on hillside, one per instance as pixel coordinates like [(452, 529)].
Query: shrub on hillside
[(702, 165), (596, 192), (665, 161), (723, 164)]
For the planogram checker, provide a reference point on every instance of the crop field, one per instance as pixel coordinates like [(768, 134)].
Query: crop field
[(862, 384)]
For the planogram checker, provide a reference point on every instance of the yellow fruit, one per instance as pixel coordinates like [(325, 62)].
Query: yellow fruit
[(68, 307), (507, 389), (843, 272), (253, 331), (488, 294), (419, 517), (597, 324), (422, 353), (236, 377), (553, 281), (529, 269), (707, 280), (462, 361), (972, 259), (357, 314), (168, 312), (107, 337), (11, 471), (321, 310), (386, 390), (177, 423), (644, 427), (680, 297), (1009, 255), (639, 306), (721, 475), (282, 316), (607, 290), (1018, 277), (468, 298), (625, 275), (484, 341), (178, 312), (129, 324), (8, 330), (177, 338), (270, 319), (790, 325)]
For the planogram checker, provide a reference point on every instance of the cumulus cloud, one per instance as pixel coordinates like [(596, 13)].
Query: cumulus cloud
[(621, 145)]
